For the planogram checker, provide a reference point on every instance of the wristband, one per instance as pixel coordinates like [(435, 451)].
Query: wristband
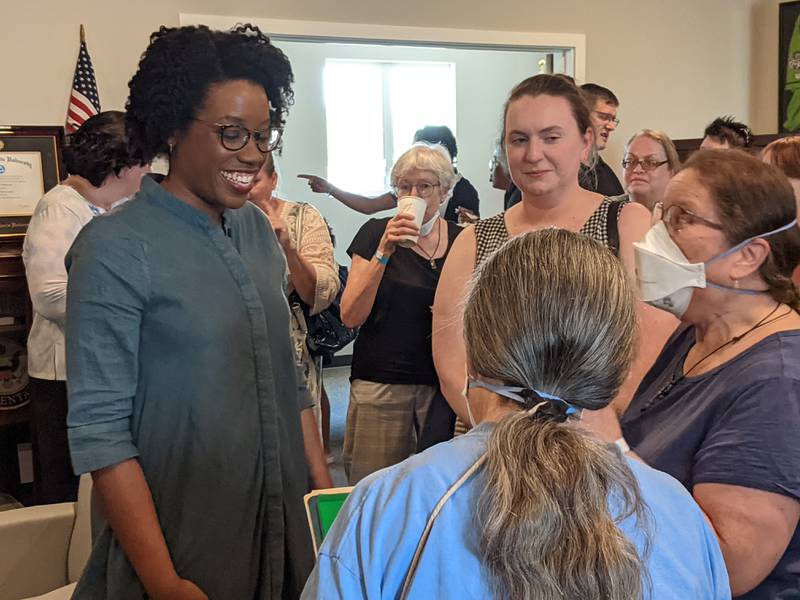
[(382, 258), (622, 445)]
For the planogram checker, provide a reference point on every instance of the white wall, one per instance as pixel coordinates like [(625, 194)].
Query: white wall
[(674, 64), (483, 80)]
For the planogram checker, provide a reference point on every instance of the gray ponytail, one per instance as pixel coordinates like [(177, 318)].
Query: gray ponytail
[(553, 310)]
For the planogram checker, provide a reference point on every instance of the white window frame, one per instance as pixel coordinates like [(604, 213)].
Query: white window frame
[(388, 109), (573, 44)]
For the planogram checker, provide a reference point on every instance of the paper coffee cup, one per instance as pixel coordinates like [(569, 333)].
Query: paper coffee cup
[(413, 206)]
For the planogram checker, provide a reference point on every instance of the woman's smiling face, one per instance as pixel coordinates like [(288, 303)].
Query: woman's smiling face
[(212, 177)]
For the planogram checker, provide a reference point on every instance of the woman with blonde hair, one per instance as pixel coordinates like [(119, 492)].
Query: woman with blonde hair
[(650, 162), (528, 505)]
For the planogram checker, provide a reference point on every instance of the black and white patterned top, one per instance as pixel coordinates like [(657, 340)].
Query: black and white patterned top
[(491, 233)]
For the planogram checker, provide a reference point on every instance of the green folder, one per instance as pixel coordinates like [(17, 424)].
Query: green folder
[(322, 506)]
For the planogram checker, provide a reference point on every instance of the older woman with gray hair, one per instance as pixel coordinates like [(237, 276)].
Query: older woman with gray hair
[(389, 293), (528, 505)]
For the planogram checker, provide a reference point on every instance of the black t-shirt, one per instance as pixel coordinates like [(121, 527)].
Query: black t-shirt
[(394, 343), (464, 194), (601, 179)]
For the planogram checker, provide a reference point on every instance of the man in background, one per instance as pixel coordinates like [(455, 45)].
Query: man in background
[(603, 106), (725, 132)]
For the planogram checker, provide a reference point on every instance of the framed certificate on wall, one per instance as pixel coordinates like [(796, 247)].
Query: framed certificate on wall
[(30, 165)]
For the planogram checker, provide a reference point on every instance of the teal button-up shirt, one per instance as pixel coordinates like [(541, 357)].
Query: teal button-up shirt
[(178, 353)]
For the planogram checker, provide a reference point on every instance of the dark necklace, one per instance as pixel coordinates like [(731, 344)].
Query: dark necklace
[(430, 257), (734, 340)]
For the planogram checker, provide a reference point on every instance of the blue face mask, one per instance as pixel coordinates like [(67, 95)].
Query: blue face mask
[(512, 393)]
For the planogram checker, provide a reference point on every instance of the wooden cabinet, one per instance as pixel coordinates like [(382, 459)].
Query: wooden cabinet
[(686, 147), (15, 322)]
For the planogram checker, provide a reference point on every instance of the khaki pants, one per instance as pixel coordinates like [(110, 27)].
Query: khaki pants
[(383, 422)]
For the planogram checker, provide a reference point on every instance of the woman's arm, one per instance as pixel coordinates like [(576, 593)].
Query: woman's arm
[(753, 527), (655, 325), (315, 250), (366, 274), (302, 275), (128, 506), (449, 353), (362, 204)]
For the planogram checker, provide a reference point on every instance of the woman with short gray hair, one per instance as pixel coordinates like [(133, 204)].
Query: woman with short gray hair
[(393, 277), (528, 505)]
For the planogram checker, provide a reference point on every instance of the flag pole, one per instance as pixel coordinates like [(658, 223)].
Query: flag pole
[(83, 34)]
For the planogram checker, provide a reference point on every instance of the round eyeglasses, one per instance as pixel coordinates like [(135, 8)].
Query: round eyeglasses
[(424, 189), (235, 137), (647, 164)]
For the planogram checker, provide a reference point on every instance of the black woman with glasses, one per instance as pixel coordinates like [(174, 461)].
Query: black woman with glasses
[(720, 409), (184, 399), (395, 270), (650, 162)]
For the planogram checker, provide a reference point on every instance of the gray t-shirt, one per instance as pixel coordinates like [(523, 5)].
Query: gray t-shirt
[(738, 424)]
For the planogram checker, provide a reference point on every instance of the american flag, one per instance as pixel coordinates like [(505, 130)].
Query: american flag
[(83, 101)]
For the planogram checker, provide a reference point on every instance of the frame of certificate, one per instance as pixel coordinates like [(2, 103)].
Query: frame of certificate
[(30, 165)]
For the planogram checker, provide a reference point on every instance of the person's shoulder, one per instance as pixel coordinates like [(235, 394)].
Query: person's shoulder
[(780, 351), (373, 227), (683, 550), (430, 472), (657, 483), (453, 229), (669, 503), (62, 199), (771, 362), (631, 210), (464, 184)]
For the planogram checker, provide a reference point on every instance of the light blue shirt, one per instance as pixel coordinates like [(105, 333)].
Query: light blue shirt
[(370, 547)]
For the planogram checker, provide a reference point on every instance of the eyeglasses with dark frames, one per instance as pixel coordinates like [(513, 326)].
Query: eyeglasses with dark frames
[(235, 137), (647, 164), (676, 218)]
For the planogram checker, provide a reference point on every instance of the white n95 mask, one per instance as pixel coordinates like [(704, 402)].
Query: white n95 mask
[(667, 279)]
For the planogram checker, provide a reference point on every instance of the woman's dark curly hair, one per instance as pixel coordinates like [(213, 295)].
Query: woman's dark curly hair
[(179, 66), (99, 147)]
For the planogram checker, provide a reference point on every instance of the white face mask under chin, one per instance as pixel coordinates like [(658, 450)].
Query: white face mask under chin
[(665, 276), (428, 225)]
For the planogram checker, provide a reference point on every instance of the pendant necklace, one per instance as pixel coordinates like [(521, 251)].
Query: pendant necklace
[(430, 257), (734, 340)]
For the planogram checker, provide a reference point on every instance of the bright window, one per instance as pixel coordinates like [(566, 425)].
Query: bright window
[(373, 109)]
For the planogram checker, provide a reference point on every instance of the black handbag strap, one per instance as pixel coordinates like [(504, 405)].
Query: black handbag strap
[(612, 226)]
